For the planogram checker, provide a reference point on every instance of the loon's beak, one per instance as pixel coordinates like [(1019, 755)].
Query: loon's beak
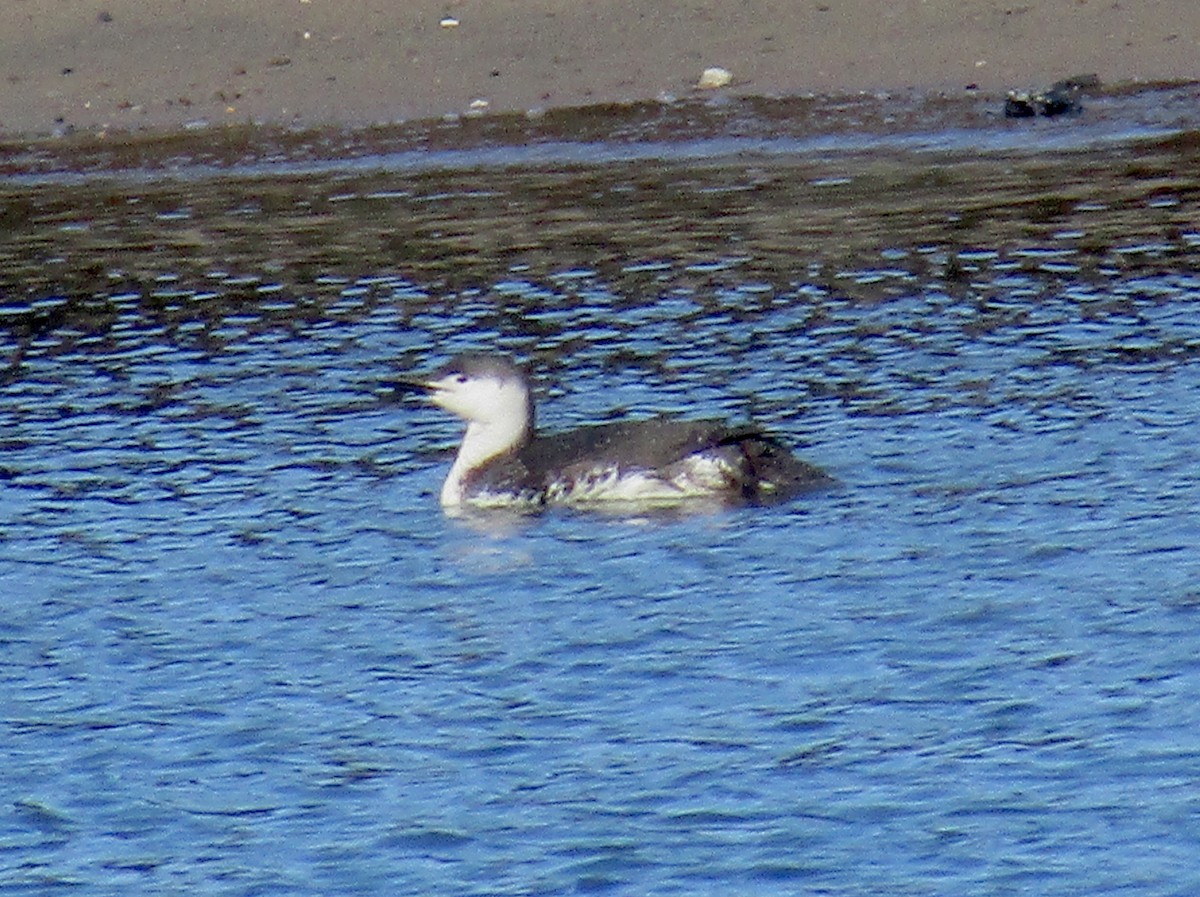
[(409, 386)]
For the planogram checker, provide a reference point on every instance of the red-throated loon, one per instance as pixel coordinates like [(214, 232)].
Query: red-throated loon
[(504, 462)]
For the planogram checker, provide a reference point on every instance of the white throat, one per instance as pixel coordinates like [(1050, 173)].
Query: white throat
[(482, 442)]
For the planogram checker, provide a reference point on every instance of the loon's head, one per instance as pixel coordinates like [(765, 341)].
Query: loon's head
[(482, 389), (492, 395)]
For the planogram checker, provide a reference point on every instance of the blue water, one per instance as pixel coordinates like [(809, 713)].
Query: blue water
[(244, 652)]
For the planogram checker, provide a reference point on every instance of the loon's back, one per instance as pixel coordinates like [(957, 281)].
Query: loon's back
[(662, 460)]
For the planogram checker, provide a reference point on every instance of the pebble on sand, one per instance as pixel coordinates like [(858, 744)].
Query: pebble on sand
[(714, 77)]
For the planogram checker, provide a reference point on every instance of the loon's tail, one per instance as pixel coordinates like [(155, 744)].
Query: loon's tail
[(773, 473)]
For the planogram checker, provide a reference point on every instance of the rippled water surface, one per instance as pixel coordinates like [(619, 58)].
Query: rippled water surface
[(244, 652)]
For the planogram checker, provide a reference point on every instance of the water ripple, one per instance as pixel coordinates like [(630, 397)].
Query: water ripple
[(245, 650)]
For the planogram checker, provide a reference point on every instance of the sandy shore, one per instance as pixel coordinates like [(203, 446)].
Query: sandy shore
[(163, 64)]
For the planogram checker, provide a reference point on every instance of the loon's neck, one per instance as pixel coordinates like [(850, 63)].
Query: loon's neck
[(482, 442)]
